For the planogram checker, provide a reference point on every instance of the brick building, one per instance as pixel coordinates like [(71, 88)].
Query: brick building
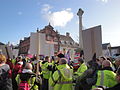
[(61, 42), (24, 45)]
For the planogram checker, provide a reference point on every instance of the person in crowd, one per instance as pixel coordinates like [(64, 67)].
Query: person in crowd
[(107, 65), (56, 61), (117, 86), (18, 66), (46, 72), (99, 61), (62, 77), (59, 56), (9, 62), (5, 80), (82, 68), (28, 76), (112, 62), (105, 77)]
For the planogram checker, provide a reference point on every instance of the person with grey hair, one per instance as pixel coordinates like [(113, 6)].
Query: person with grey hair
[(105, 77), (28, 68), (117, 86), (27, 76), (62, 78), (63, 61), (107, 65)]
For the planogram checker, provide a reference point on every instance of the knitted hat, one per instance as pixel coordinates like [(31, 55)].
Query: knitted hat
[(60, 55)]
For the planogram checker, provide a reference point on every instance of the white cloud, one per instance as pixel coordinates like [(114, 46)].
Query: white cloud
[(58, 18), (46, 8), (105, 1)]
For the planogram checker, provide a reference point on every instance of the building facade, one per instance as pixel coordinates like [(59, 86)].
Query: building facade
[(106, 49), (24, 46), (115, 51), (61, 43)]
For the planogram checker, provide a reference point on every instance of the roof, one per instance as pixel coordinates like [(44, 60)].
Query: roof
[(66, 38), (2, 43), (105, 45), (116, 47), (68, 41), (48, 27)]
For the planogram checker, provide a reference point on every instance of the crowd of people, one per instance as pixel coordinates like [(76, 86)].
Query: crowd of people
[(55, 73)]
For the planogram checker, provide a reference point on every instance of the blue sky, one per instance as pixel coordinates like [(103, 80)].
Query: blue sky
[(20, 17)]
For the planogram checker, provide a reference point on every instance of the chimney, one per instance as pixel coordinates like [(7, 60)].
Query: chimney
[(67, 34)]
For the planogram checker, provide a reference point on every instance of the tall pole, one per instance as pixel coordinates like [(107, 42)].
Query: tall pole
[(80, 13), (38, 46), (38, 52)]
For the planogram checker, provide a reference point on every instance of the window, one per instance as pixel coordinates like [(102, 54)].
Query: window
[(62, 42)]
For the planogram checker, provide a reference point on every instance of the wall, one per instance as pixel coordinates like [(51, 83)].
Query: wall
[(46, 48)]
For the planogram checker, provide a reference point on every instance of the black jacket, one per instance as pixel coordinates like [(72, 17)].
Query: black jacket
[(116, 87)]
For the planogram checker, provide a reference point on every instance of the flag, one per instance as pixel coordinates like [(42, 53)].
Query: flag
[(68, 56)]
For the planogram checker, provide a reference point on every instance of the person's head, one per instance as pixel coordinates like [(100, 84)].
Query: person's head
[(2, 59), (80, 60), (28, 66), (101, 59), (59, 56), (19, 58), (117, 61), (106, 63), (63, 61), (118, 75), (47, 58), (98, 61)]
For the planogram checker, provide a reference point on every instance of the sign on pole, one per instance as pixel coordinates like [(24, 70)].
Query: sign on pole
[(92, 42)]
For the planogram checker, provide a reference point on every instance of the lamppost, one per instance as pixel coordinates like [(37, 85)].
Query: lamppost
[(38, 44)]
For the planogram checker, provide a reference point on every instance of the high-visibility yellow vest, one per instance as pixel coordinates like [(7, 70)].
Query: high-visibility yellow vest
[(30, 82), (105, 78), (62, 78), (81, 69), (45, 71)]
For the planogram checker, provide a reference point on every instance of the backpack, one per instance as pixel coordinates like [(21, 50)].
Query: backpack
[(23, 86), (5, 80), (24, 77)]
